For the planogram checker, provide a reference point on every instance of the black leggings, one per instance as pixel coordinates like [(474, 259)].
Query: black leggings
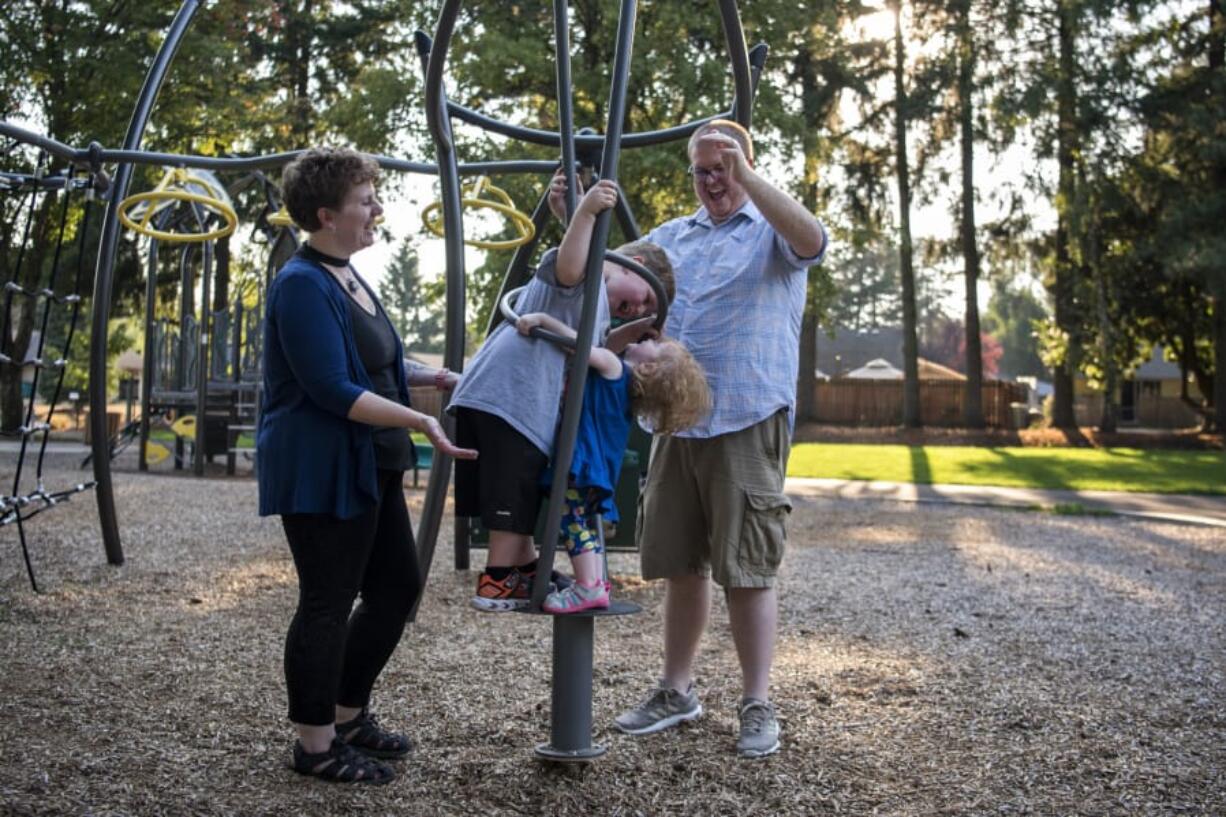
[(335, 651)]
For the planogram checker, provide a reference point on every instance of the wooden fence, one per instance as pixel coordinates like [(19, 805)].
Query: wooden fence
[(879, 402), (427, 400)]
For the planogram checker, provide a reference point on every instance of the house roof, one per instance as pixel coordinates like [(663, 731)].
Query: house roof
[(1157, 368), (877, 369), (848, 349), (881, 369), (935, 371)]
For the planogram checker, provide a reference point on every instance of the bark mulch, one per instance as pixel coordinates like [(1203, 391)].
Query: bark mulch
[(931, 660)]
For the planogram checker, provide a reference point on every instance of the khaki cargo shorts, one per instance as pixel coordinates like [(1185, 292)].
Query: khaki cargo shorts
[(716, 506)]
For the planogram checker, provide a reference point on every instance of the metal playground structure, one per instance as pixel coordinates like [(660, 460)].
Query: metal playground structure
[(207, 361)]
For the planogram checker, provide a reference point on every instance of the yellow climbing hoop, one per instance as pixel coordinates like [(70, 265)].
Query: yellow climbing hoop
[(179, 185), (471, 199), (282, 218)]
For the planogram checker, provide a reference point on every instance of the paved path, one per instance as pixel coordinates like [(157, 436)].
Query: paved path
[(10, 447), (1197, 509)]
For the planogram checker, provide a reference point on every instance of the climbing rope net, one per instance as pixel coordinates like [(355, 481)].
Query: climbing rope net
[(32, 292)]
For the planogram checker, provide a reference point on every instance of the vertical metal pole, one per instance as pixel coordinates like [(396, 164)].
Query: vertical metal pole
[(104, 282), (734, 34), (439, 123), (570, 730), (203, 332), (151, 352), (564, 448), (236, 367), (566, 124)]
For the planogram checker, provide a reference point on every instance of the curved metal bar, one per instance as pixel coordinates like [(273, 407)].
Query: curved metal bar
[(536, 136), (506, 305), (104, 282), (436, 101), (630, 227), (564, 447), (734, 34), (453, 225), (251, 163)]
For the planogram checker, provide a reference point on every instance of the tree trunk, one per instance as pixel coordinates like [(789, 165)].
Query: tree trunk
[(221, 274), (1109, 419), (806, 378), (22, 313), (910, 347), (972, 403), (806, 382), (1063, 415), (1218, 390), (298, 36), (1217, 63)]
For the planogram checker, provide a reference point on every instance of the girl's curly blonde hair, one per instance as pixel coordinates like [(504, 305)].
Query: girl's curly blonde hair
[(670, 392)]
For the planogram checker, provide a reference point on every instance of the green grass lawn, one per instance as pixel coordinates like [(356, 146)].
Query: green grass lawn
[(1101, 469)]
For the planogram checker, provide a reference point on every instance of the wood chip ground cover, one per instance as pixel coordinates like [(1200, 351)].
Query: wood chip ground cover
[(931, 660)]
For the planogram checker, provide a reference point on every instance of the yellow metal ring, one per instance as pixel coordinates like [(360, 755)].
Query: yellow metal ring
[(281, 218), (521, 221), (165, 193)]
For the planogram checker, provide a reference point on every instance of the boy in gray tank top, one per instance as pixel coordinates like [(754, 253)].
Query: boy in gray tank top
[(508, 403)]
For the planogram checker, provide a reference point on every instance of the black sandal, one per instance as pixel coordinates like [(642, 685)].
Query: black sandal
[(341, 764), (366, 735)]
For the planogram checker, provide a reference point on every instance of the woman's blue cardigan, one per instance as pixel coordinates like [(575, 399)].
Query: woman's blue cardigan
[(310, 457)]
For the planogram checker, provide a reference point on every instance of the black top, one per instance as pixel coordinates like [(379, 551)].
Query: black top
[(377, 348)]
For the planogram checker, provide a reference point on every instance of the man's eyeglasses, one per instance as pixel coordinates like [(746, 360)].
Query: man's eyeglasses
[(702, 174)]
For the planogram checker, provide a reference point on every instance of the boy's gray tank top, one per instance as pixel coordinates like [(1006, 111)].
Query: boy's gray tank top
[(519, 378)]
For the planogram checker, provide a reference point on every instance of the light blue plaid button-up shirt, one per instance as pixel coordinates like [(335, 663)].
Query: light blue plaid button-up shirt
[(740, 301)]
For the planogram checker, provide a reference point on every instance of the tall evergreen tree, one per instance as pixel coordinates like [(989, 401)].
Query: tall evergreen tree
[(1011, 318), (910, 344), (404, 298), (966, 49)]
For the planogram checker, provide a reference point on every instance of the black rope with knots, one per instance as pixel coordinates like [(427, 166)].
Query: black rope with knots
[(18, 508)]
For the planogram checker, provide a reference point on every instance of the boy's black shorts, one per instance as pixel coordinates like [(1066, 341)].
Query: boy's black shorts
[(503, 485)]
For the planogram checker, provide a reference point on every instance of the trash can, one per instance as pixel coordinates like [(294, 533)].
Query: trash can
[(112, 425), (1020, 414)]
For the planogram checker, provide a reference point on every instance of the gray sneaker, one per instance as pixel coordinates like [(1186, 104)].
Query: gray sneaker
[(663, 708), (759, 729)]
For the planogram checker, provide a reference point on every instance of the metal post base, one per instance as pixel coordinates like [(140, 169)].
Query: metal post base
[(546, 752), (570, 711)]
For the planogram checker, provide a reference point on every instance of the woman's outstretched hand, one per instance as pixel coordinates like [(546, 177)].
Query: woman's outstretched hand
[(433, 430)]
